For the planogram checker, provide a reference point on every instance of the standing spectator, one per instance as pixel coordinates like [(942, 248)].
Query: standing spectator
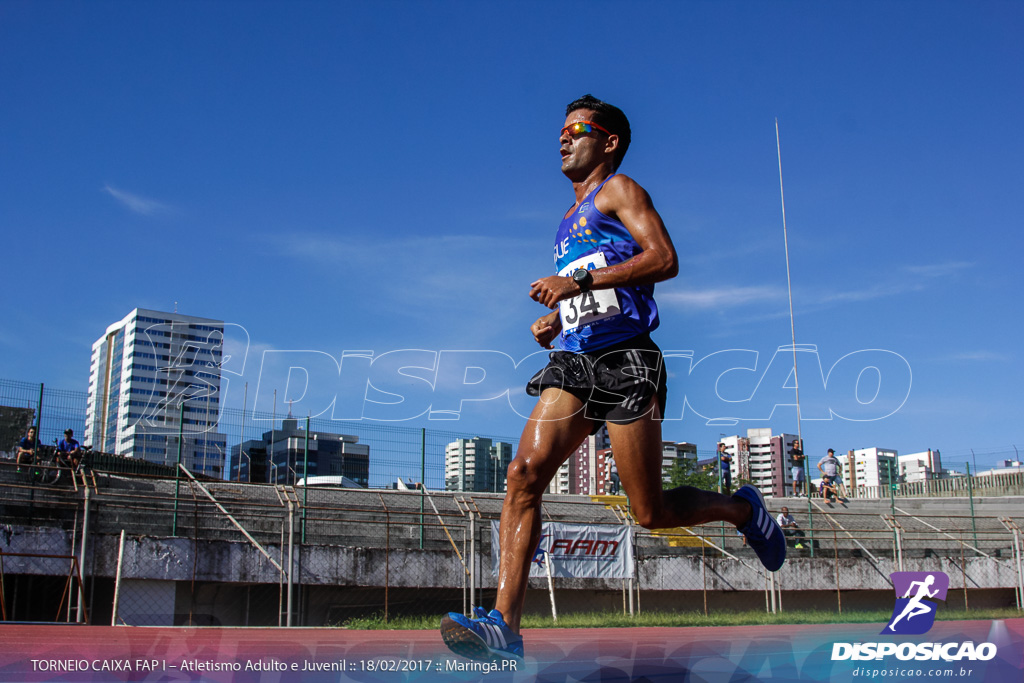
[(613, 477), (725, 461), (27, 448), (789, 527), (70, 449), (831, 467), (796, 454)]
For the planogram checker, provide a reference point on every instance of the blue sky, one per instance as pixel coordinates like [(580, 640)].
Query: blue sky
[(385, 176)]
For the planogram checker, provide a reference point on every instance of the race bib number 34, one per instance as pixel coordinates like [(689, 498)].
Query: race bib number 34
[(589, 306)]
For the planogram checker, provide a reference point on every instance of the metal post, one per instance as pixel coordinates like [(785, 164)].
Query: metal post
[(1012, 526), (423, 478), (472, 558), (839, 590), (387, 555), (270, 457), (39, 423), (810, 507), (704, 573), (305, 475), (628, 521), (892, 507), (899, 544), (892, 488), (963, 570), (970, 494), (465, 607), (81, 553), (177, 470), (117, 580), (248, 469), (291, 557), (1020, 568), (551, 586)]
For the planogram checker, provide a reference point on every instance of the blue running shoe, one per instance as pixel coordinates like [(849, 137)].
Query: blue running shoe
[(485, 638), (763, 533)]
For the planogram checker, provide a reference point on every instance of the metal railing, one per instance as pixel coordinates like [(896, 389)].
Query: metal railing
[(323, 556)]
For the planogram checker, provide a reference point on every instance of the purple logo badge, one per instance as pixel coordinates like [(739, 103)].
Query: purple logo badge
[(914, 612)]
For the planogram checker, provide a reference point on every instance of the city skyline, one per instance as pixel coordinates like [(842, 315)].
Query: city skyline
[(278, 168)]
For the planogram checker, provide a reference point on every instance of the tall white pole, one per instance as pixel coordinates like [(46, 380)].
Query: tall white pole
[(789, 286)]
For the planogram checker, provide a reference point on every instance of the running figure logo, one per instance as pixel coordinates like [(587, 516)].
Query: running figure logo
[(914, 612)]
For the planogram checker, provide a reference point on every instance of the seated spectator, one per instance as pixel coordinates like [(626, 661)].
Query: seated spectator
[(831, 467), (70, 449), (789, 527), (828, 489), (27, 448)]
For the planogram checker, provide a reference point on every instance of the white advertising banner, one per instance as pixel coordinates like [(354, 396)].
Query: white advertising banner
[(588, 551)]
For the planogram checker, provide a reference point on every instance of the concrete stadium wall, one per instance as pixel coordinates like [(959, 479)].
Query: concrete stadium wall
[(178, 581), (181, 559)]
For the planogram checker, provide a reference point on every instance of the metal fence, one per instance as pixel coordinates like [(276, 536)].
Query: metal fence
[(120, 544), (112, 548), (381, 452)]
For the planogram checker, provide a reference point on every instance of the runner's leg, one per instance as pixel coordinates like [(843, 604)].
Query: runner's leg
[(638, 454), (555, 429)]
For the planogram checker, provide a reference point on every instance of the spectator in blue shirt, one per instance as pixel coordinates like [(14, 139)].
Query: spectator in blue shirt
[(726, 463), (70, 449), (27, 448)]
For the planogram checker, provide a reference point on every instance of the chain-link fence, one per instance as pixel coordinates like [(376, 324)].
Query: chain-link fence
[(226, 531), (228, 553)]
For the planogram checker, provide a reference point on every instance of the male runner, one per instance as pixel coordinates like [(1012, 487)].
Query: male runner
[(610, 250)]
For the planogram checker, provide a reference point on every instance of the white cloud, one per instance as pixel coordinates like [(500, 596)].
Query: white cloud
[(723, 297), (939, 269), (140, 205), (992, 356), (914, 278)]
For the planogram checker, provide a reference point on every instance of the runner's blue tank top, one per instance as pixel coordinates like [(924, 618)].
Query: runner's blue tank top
[(602, 317)]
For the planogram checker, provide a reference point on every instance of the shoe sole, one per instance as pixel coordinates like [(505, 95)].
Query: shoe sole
[(462, 641)]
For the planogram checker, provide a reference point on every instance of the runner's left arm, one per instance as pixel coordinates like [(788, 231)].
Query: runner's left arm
[(546, 328)]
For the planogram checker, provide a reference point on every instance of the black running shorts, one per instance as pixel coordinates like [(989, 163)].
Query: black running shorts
[(615, 384)]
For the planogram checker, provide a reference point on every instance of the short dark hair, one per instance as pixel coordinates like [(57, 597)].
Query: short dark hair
[(609, 116)]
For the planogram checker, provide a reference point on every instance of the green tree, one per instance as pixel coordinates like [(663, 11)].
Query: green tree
[(685, 472)]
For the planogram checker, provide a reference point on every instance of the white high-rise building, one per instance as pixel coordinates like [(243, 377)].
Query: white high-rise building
[(871, 467), (155, 376), (920, 466)]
